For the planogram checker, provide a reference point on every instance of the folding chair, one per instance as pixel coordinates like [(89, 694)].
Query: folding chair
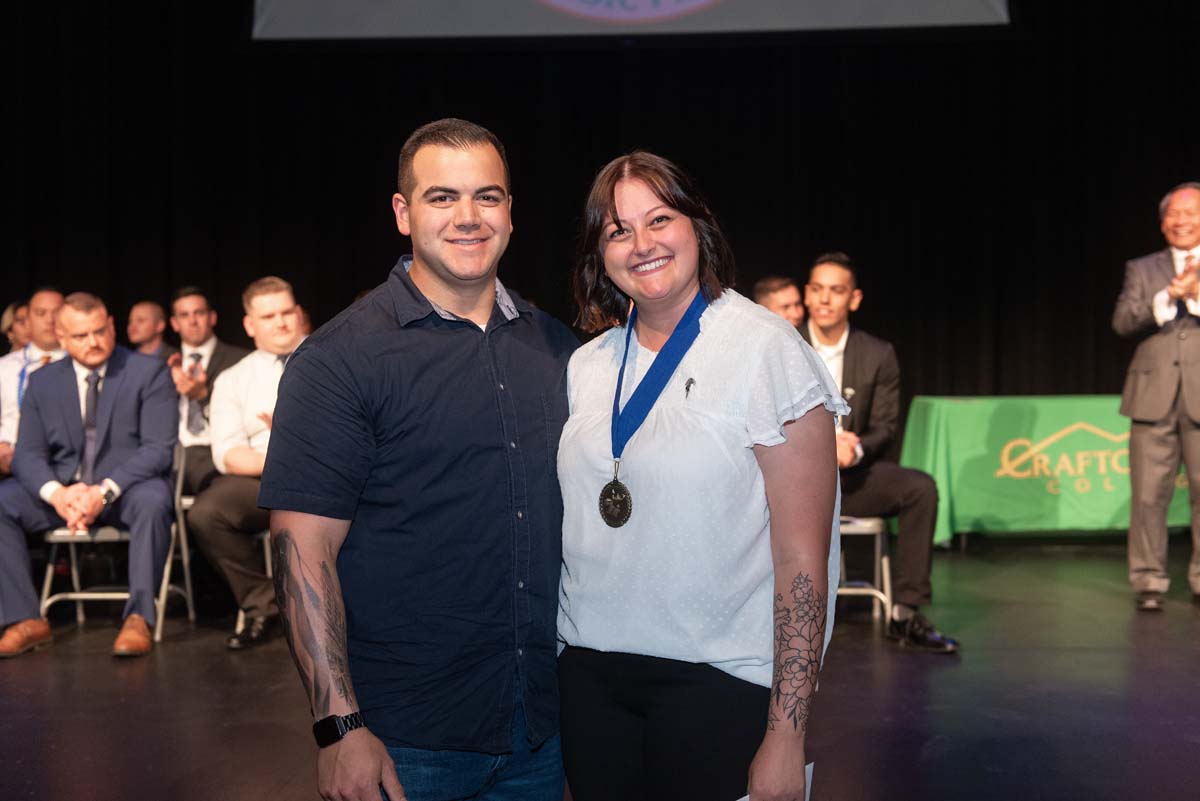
[(881, 588), (111, 534), (182, 504)]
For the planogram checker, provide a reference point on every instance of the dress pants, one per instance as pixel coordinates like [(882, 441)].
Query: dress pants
[(643, 728), (1155, 449), (223, 521), (883, 489), (145, 509), (198, 469)]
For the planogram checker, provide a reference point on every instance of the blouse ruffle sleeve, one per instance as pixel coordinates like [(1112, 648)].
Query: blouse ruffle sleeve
[(789, 380)]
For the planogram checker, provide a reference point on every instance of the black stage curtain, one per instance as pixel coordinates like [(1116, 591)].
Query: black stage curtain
[(990, 183)]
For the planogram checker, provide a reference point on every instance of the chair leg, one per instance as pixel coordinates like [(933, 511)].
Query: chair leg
[(878, 562), (79, 616), (266, 542), (164, 586), (887, 588), (241, 622), (185, 555), (48, 581)]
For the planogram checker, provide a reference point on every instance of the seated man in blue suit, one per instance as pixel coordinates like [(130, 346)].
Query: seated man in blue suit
[(95, 444)]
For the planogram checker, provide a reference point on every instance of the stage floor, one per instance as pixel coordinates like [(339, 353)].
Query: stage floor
[(1061, 691)]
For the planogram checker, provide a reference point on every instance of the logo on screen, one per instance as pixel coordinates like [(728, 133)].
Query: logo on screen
[(629, 10)]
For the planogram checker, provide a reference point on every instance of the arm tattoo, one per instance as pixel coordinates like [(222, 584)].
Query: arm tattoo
[(314, 619), (799, 641)]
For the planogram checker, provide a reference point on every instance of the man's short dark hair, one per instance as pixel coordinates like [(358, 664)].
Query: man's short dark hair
[(1166, 200), (41, 289), (187, 292), (769, 285), (448, 132), (841, 260)]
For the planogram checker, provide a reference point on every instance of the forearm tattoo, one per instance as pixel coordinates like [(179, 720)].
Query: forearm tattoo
[(314, 619), (799, 640)]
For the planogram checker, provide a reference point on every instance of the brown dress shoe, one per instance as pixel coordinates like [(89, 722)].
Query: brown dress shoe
[(25, 635), (134, 639)]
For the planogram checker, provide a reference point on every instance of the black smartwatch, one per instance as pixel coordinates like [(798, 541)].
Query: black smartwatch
[(333, 728)]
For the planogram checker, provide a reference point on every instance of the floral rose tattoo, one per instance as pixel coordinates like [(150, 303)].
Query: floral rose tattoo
[(799, 639)]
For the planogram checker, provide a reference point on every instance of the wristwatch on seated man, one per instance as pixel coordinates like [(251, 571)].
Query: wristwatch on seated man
[(332, 729)]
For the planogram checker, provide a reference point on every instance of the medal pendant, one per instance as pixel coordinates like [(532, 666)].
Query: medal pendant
[(616, 504)]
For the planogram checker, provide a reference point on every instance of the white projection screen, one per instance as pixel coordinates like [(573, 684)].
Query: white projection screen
[(409, 19)]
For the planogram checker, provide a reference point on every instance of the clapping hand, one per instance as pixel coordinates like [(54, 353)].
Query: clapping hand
[(190, 383)]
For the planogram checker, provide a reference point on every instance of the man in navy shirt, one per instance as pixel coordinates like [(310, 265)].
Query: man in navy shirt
[(416, 511)]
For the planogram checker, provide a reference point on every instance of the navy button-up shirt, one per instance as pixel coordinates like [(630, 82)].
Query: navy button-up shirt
[(438, 441)]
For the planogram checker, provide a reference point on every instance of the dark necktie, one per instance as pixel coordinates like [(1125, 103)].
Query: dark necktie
[(89, 427), (195, 414)]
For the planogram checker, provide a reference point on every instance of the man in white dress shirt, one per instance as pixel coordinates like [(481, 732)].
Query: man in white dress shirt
[(867, 373), (1160, 305), (16, 367), (194, 370), (226, 515)]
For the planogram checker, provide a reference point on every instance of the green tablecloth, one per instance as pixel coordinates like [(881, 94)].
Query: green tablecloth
[(1017, 463)]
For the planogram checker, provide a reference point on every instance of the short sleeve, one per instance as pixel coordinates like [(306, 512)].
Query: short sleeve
[(322, 448), (788, 380)]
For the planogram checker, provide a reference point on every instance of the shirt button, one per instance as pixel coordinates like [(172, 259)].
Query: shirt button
[(520, 585), (512, 444), (520, 652), (501, 385), (520, 515)]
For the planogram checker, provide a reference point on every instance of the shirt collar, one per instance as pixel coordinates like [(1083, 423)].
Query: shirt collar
[(834, 349), (34, 354), (411, 304), (81, 372), (205, 350), (1179, 256)]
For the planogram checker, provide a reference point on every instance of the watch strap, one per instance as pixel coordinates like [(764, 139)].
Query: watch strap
[(332, 729)]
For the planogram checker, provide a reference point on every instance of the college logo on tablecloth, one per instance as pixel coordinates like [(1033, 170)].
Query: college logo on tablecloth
[(1080, 457)]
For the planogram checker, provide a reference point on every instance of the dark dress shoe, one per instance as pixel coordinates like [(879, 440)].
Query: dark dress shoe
[(1150, 601), (918, 632), (256, 631)]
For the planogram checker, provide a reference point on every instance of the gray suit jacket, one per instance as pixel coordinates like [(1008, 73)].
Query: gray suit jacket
[(1167, 359)]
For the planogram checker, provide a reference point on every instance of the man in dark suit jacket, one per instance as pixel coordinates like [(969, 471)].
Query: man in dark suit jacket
[(866, 370), (194, 370), (1159, 305), (96, 437)]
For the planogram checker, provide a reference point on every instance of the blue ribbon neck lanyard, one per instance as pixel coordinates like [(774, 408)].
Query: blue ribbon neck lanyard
[(626, 422), (21, 378)]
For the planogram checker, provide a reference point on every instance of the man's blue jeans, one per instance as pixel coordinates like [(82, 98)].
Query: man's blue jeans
[(523, 775)]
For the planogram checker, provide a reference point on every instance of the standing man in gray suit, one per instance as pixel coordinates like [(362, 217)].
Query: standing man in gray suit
[(1160, 304)]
